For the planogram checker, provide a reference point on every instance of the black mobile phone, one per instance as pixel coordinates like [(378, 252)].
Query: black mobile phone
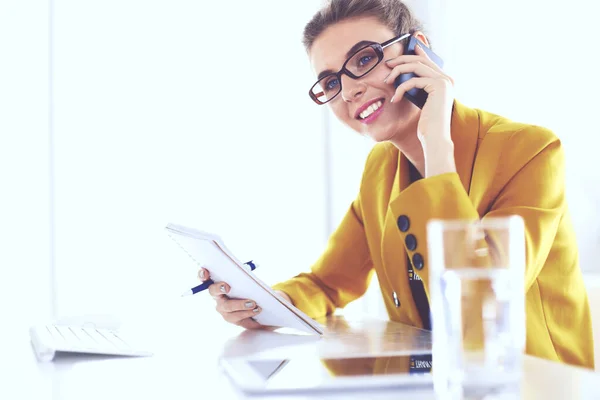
[(415, 95)]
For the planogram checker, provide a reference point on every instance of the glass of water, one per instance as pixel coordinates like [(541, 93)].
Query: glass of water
[(477, 297)]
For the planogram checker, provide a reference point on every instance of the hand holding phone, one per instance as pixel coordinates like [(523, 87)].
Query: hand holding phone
[(415, 95)]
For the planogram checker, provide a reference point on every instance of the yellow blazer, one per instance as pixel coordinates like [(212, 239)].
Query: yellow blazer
[(503, 168)]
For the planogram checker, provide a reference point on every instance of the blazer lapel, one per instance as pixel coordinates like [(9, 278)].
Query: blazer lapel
[(401, 182), (464, 128)]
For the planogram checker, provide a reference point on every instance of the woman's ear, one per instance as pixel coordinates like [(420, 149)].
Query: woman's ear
[(421, 36)]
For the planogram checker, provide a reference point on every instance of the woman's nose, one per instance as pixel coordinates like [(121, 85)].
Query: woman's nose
[(352, 89)]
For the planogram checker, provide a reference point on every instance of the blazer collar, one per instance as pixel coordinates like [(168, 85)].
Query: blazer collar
[(464, 130)]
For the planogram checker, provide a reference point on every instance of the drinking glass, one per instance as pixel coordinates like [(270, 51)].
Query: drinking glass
[(477, 293)]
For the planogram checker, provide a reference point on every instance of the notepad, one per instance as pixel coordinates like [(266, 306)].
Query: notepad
[(209, 251), (48, 340)]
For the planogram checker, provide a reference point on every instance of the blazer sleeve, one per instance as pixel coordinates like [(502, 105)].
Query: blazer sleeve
[(340, 275), (529, 181)]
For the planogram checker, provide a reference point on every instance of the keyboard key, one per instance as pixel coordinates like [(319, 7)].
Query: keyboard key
[(114, 339), (84, 339), (98, 339)]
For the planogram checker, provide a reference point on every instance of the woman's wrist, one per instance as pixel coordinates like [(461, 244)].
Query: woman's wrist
[(285, 296), (439, 157)]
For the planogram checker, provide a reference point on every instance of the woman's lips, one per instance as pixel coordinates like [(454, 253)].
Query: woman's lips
[(371, 118)]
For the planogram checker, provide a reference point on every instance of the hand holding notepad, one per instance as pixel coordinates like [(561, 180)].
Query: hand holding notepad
[(241, 312), (208, 250)]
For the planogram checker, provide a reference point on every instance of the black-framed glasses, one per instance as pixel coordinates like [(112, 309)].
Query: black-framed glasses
[(356, 66)]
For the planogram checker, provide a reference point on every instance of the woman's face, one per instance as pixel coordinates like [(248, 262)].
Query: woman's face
[(329, 52)]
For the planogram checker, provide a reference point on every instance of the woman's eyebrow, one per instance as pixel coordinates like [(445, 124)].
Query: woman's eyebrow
[(357, 46), (350, 52)]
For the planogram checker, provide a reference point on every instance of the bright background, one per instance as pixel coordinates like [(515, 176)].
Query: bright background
[(117, 117)]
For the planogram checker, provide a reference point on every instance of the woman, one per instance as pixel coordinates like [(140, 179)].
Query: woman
[(485, 166)]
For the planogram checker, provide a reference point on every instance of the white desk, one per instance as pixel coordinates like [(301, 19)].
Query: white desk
[(185, 364)]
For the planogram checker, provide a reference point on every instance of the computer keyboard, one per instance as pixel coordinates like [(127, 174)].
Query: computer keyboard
[(50, 339)]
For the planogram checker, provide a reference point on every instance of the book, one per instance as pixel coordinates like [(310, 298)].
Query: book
[(209, 251)]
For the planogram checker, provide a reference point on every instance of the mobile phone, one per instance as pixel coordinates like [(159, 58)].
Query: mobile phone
[(415, 95)]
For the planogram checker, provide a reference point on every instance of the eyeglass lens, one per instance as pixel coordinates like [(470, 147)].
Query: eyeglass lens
[(359, 64)]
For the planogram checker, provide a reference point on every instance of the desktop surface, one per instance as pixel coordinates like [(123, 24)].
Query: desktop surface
[(186, 363)]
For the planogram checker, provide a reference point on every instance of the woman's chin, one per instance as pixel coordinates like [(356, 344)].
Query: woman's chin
[(378, 135)]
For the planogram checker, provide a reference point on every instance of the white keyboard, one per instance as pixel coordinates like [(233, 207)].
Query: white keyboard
[(48, 340)]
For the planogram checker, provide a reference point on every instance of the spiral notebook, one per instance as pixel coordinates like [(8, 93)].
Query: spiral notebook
[(208, 250)]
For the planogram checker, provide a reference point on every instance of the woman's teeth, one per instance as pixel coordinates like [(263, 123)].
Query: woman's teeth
[(370, 110)]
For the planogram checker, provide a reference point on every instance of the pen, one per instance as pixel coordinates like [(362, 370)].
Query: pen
[(250, 266)]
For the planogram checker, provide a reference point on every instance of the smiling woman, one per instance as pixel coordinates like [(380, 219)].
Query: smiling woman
[(441, 161), (348, 88)]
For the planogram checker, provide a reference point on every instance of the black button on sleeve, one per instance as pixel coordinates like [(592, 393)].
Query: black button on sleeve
[(403, 223), (411, 242), (418, 261)]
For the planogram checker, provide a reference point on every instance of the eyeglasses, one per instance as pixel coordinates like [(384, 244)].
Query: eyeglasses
[(356, 66)]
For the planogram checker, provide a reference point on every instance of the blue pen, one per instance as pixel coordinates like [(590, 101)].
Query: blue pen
[(204, 285)]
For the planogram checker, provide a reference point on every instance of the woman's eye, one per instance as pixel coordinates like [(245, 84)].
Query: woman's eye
[(365, 60), (331, 84)]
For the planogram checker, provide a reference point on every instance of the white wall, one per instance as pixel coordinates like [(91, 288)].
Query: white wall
[(24, 114), (180, 111)]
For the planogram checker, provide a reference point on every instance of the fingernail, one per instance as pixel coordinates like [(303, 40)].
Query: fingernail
[(222, 288), (256, 310), (389, 60), (386, 78), (392, 99), (202, 274), (249, 304)]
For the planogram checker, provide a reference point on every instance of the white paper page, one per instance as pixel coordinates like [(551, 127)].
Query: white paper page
[(209, 250)]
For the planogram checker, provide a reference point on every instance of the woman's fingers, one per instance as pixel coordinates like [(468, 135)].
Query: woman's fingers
[(419, 56), (420, 52), (429, 85), (249, 323), (230, 305), (392, 62), (203, 274), (236, 317), (428, 76), (428, 61), (218, 289), (421, 83), (235, 311), (417, 68)]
